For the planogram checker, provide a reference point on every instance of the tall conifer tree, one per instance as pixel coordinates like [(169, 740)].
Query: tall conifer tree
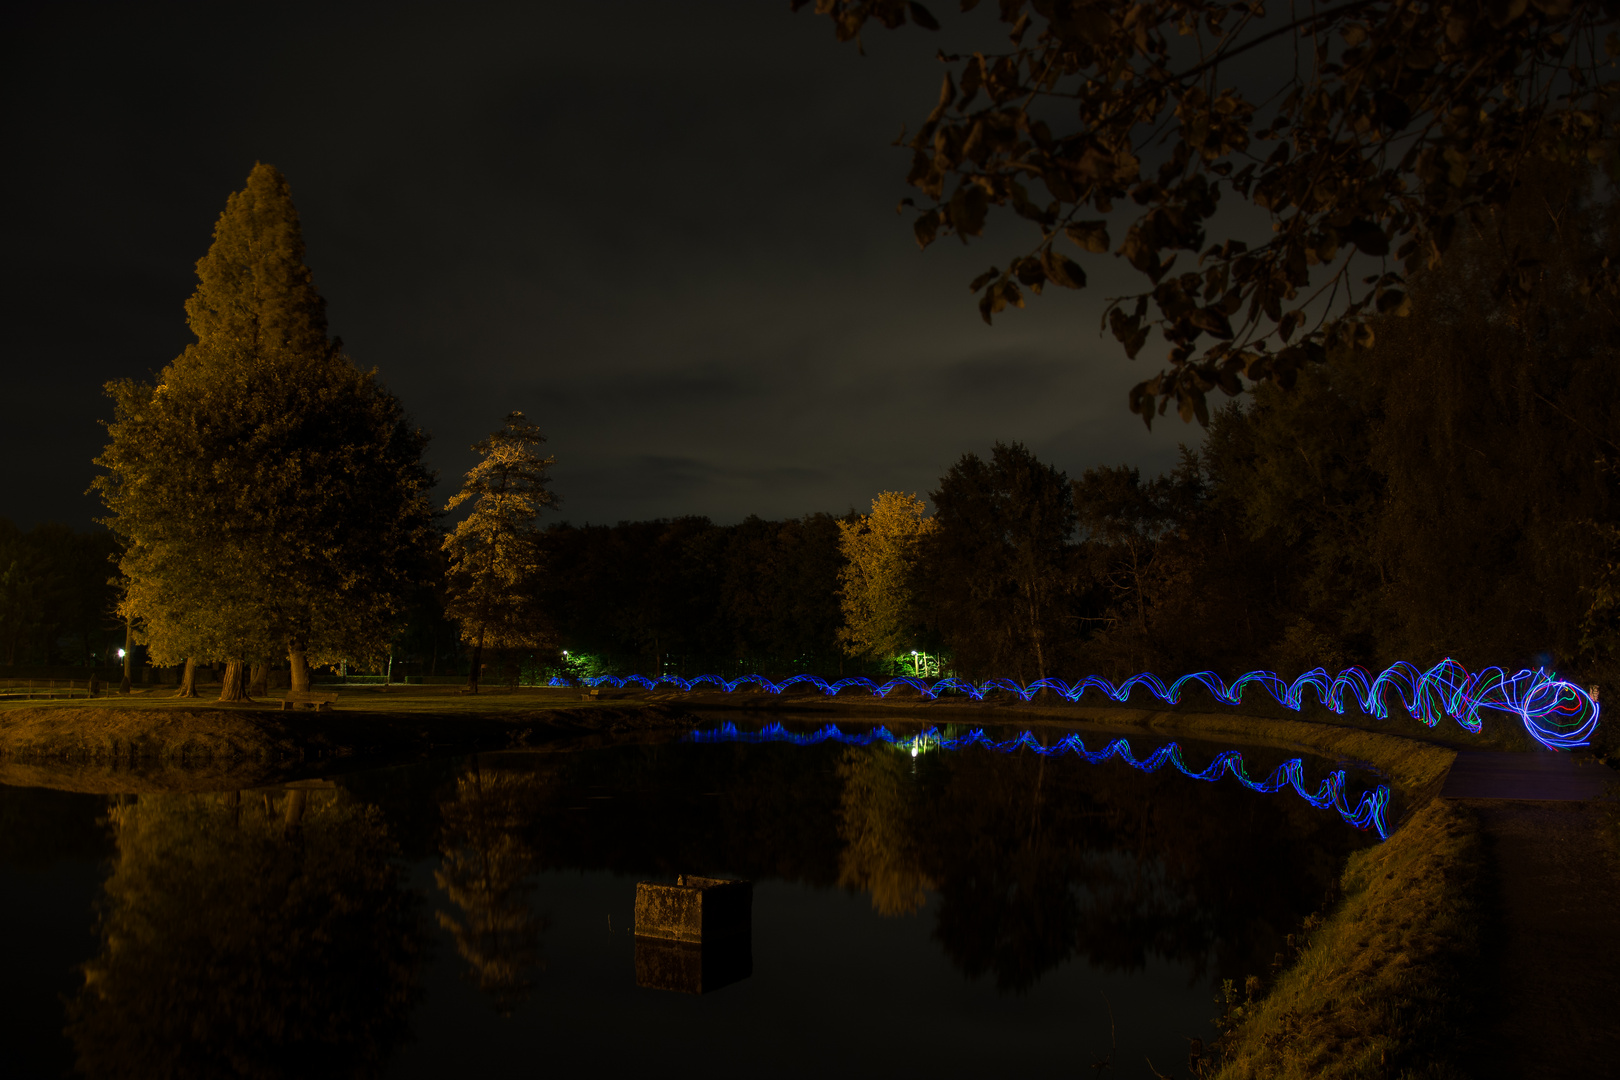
[(270, 495), (494, 580)]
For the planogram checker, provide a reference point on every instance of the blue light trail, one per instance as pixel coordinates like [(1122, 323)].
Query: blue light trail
[(1369, 811), (1556, 712)]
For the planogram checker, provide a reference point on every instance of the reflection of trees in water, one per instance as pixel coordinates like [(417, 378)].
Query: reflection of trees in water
[(1028, 862), (263, 934), (1037, 861), (486, 870), (875, 823)]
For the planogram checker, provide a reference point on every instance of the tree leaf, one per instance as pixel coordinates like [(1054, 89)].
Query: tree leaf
[(1089, 236), (1212, 321), (922, 16), (1063, 270)]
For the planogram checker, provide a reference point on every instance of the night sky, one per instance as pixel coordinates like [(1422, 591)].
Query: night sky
[(665, 231)]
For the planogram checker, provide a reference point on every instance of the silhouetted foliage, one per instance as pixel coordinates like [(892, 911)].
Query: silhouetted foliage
[(1396, 126), (689, 595), (994, 577), (57, 600)]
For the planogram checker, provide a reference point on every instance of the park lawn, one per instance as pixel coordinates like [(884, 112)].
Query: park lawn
[(363, 698)]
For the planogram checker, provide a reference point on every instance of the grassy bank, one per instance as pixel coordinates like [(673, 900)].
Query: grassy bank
[(1378, 989), (139, 744), (1375, 985)]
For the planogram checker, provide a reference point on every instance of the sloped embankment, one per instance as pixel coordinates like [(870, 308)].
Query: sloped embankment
[(1379, 988), (106, 748)]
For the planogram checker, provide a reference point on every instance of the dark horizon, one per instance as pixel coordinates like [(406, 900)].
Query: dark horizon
[(684, 265)]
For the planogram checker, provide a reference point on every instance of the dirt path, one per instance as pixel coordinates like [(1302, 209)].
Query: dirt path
[(1552, 990), (1543, 775)]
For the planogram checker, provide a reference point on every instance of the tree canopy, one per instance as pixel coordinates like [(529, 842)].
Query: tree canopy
[(1369, 128), (991, 574), (269, 494), (880, 552), (494, 554)]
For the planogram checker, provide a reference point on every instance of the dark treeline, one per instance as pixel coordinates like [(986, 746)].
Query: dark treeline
[(1449, 491), (57, 599), (686, 595)]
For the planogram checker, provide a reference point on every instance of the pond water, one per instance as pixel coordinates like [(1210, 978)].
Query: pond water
[(956, 913)]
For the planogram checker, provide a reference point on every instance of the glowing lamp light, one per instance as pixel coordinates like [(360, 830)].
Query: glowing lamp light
[(120, 654)]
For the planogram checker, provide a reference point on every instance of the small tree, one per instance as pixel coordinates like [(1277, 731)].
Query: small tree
[(875, 593), (494, 555)]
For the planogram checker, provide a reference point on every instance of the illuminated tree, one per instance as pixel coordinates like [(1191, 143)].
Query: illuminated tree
[(879, 552), (494, 554), (1394, 123), (270, 495)]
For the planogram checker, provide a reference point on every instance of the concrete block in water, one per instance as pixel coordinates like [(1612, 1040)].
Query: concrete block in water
[(694, 909)]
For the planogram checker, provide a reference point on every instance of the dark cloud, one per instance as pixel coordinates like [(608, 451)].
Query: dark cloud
[(664, 231)]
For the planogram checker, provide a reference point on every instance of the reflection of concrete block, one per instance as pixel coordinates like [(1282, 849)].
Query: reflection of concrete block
[(690, 968), (694, 909)]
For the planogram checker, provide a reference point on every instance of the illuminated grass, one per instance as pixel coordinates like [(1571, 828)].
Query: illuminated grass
[(1378, 989)]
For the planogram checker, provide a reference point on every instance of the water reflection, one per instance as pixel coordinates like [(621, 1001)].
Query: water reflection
[(488, 861), (1034, 862), (690, 967), (265, 934), (281, 932), (1038, 861), (878, 825)]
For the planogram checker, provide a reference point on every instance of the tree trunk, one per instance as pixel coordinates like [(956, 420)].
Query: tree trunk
[(233, 686), (129, 653), (300, 667), (259, 681), (477, 662), (188, 679)]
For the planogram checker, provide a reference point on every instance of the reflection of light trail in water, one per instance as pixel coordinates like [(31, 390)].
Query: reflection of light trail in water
[(1368, 813), (1557, 713)]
